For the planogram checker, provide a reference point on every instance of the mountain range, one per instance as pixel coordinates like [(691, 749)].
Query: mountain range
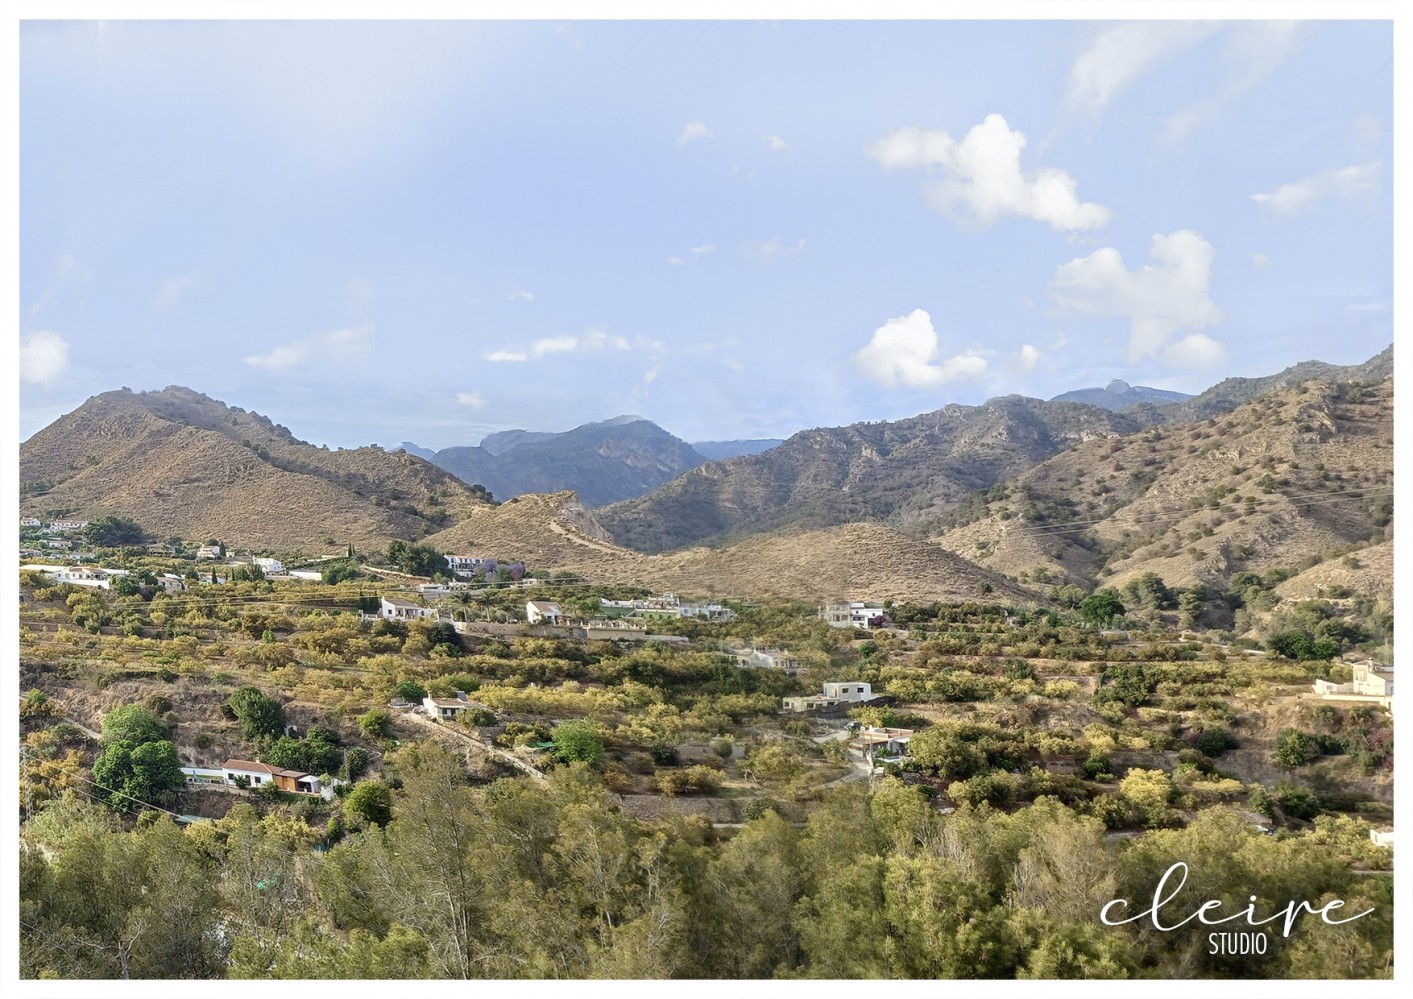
[(1293, 471), (603, 462)]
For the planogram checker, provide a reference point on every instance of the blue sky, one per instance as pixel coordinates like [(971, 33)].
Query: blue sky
[(428, 231)]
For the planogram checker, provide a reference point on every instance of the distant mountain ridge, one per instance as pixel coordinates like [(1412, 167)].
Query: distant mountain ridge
[(1118, 395), (603, 462)]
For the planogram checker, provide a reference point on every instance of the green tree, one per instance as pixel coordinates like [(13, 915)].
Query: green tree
[(1294, 748), (309, 755), (578, 740), (259, 715), (114, 532), (371, 801), (133, 723), (1101, 607), (375, 723), (128, 775)]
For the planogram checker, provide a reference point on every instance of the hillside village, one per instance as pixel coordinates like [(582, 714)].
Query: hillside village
[(312, 701)]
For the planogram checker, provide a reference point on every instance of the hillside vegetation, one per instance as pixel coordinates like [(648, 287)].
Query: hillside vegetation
[(183, 464)]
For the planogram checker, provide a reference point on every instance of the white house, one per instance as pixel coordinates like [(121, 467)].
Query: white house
[(447, 708), (77, 575), (767, 659), (68, 525), (313, 575), (831, 695), (29, 522), (209, 551), (258, 774), (269, 566), (464, 564), (395, 609), (852, 614), (1370, 679), (849, 690), (711, 612), (543, 611)]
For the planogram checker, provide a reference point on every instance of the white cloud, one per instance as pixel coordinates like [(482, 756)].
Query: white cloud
[(903, 352), (1196, 350), (1168, 296), (568, 343), (323, 348), (521, 295), (697, 252), (44, 356), (473, 399), (775, 143), (733, 364), (774, 247), (1259, 260), (981, 178), (1344, 183), (1121, 54), (1028, 357), (693, 130), (1257, 49)]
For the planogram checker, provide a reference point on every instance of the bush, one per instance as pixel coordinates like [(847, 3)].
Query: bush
[(259, 715), (371, 801), (375, 724), (1294, 749), (578, 740), (723, 748), (692, 780), (410, 690), (1212, 742)]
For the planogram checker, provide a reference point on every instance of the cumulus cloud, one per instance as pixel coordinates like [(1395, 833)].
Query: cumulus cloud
[(1121, 54), (1159, 300), (691, 131), (323, 348), (1028, 357), (1196, 350), (1259, 260), (44, 356), (904, 352), (472, 399), (1344, 183), (775, 143), (979, 179), (521, 295), (594, 340)]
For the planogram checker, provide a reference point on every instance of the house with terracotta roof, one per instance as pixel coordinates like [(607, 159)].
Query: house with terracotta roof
[(259, 774)]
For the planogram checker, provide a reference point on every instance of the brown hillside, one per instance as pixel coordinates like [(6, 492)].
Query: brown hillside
[(858, 560), (180, 463), (1281, 479)]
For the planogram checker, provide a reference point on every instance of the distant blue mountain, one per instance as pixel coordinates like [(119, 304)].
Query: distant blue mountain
[(1119, 395)]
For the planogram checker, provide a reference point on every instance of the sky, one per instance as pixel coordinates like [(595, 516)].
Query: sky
[(377, 232)]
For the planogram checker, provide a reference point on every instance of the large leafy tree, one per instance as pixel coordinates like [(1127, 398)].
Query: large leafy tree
[(114, 532), (259, 715), (1101, 607), (127, 775), (133, 723)]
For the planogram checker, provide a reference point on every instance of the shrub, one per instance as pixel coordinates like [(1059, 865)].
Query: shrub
[(1294, 749), (375, 724)]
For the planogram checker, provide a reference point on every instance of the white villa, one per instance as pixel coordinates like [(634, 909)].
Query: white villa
[(1370, 679), (851, 613), (766, 659), (395, 609), (269, 566)]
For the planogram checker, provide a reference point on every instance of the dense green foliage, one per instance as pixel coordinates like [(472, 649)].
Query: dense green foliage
[(259, 715), (872, 885)]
